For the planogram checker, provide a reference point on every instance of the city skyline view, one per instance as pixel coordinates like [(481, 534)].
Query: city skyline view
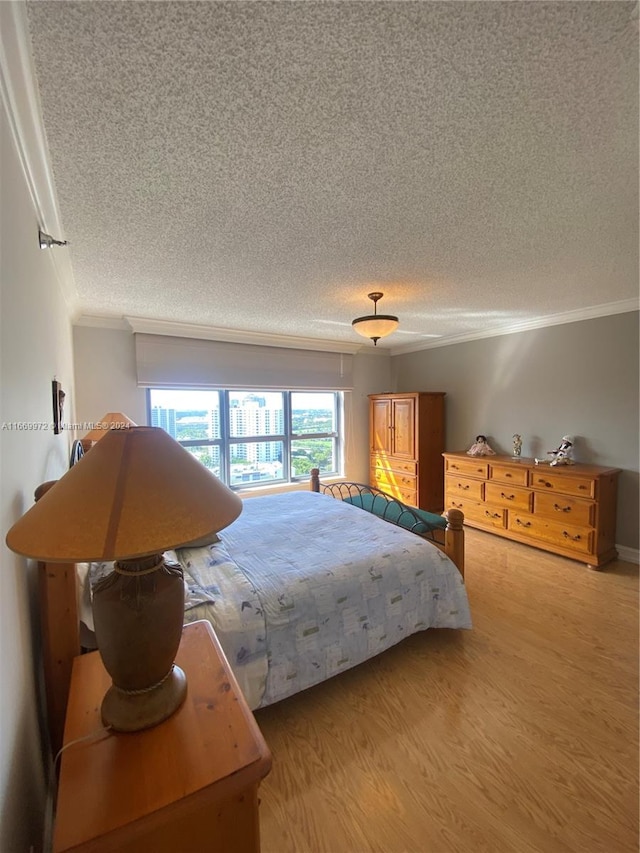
[(212, 424)]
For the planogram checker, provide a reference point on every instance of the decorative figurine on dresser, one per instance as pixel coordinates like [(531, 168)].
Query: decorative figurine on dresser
[(517, 446), (480, 447), (562, 455)]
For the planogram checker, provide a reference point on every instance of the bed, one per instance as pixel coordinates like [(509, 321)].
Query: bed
[(299, 588)]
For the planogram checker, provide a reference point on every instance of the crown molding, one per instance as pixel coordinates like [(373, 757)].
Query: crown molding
[(21, 102), (236, 336), (105, 321), (145, 325), (590, 313)]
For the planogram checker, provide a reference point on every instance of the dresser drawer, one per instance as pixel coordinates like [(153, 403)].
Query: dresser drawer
[(478, 511), (467, 467), (387, 464), (464, 487), (509, 474), (563, 508), (566, 484), (508, 496), (579, 539)]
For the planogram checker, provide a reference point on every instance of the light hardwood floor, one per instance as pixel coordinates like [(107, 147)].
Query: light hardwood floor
[(520, 735)]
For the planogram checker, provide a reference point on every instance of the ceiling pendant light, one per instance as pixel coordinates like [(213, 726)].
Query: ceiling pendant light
[(375, 326)]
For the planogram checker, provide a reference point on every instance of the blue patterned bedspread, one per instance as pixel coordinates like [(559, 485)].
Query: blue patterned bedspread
[(303, 586)]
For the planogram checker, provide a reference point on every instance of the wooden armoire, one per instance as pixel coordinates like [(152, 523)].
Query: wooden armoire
[(406, 441)]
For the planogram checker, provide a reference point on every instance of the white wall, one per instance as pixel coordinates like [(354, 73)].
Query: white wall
[(35, 347), (105, 372)]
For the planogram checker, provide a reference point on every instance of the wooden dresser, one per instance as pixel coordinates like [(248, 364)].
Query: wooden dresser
[(406, 439), (569, 510)]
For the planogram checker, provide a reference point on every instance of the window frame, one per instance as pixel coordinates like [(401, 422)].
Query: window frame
[(226, 440)]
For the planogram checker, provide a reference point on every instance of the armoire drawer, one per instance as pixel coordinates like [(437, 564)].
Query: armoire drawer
[(384, 480), (385, 463)]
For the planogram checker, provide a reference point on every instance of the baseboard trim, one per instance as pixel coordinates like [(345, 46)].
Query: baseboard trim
[(629, 555)]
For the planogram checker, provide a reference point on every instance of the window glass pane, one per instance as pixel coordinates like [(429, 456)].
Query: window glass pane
[(256, 413), (244, 437), (308, 453), (256, 462), (186, 415), (313, 412), (209, 456)]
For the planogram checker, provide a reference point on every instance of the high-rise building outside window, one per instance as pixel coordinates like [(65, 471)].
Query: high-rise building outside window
[(254, 437)]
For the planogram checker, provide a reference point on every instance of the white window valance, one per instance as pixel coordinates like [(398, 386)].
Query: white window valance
[(164, 361)]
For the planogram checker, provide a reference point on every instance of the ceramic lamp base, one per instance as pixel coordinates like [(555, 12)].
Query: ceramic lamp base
[(131, 712), (138, 610)]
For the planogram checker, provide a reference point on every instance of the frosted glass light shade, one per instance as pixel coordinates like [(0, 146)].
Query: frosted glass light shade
[(375, 326)]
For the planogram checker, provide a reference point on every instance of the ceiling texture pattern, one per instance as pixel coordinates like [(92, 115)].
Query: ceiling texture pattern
[(262, 166)]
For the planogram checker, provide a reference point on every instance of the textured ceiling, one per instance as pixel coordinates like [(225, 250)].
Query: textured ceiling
[(263, 166)]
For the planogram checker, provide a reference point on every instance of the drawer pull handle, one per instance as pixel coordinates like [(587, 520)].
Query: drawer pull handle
[(492, 514), (523, 523), (584, 488), (464, 488), (507, 497), (507, 475), (575, 538), (454, 467), (454, 504), (548, 485), (561, 508)]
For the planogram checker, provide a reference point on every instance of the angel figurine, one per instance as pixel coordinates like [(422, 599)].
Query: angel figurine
[(480, 447)]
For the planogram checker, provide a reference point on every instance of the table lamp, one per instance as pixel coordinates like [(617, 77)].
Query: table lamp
[(112, 420), (136, 494)]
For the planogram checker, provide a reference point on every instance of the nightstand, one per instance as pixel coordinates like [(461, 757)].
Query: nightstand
[(189, 784)]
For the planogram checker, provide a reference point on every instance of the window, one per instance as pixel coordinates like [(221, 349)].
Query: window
[(254, 437)]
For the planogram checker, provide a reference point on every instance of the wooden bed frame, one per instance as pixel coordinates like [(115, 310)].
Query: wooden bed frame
[(60, 618)]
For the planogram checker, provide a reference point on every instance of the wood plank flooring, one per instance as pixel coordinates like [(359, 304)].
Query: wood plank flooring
[(519, 736)]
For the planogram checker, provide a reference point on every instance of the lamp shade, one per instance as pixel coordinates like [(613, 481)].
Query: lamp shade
[(137, 492), (112, 420)]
